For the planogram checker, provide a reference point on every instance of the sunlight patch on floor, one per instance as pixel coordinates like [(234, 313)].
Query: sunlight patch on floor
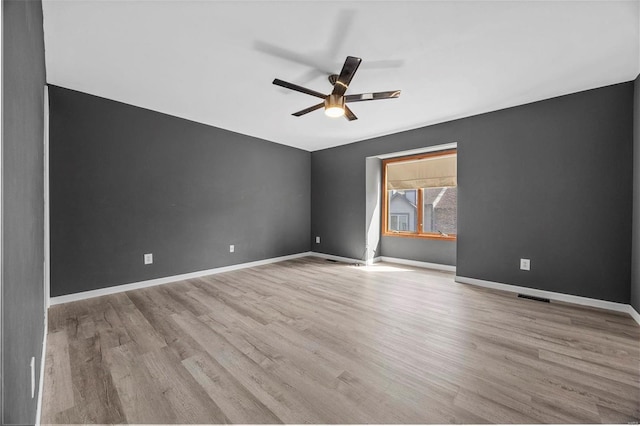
[(383, 268)]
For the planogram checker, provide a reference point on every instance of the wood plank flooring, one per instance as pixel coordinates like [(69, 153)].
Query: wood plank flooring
[(311, 341)]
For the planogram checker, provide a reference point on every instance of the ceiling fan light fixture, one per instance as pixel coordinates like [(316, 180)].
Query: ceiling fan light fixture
[(334, 106), (334, 112)]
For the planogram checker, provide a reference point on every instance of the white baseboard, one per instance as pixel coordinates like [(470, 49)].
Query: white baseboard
[(634, 314), (578, 300), (419, 264), (338, 258), (164, 280), (43, 358), (551, 295)]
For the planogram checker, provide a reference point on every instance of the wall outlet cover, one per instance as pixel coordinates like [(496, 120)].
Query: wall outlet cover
[(525, 264), (148, 258), (232, 248), (317, 240)]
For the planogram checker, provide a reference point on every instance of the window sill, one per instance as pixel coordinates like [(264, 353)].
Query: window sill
[(422, 236)]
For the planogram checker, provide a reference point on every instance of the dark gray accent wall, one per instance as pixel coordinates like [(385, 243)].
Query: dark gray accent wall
[(550, 181), (635, 262), (23, 80), (126, 181)]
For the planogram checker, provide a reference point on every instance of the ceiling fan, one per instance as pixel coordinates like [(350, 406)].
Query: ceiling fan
[(335, 103)]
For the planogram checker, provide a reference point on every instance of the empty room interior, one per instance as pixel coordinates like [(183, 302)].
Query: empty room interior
[(325, 212)]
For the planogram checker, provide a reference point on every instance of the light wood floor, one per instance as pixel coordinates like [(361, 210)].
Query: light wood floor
[(310, 341)]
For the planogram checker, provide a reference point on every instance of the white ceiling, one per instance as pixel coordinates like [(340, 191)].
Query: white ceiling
[(213, 62)]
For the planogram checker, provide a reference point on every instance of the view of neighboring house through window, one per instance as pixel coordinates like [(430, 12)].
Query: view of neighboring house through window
[(421, 196), (403, 216)]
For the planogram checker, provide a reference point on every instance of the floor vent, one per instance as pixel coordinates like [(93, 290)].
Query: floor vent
[(331, 260), (538, 299)]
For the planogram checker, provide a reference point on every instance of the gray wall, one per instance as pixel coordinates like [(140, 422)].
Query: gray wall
[(423, 250), (127, 181), (23, 81), (635, 264), (550, 181)]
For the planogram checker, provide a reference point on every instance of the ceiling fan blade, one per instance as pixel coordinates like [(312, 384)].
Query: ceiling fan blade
[(342, 26), (308, 110), (381, 64), (349, 68), (372, 96), (349, 115), (289, 55), (297, 88)]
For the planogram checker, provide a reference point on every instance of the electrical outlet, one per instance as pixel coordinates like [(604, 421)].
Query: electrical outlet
[(525, 264), (317, 240), (232, 248), (33, 377), (148, 258)]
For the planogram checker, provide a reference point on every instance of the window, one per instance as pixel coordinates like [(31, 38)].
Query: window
[(421, 196)]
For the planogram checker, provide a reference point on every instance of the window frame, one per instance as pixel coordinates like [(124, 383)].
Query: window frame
[(420, 200)]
